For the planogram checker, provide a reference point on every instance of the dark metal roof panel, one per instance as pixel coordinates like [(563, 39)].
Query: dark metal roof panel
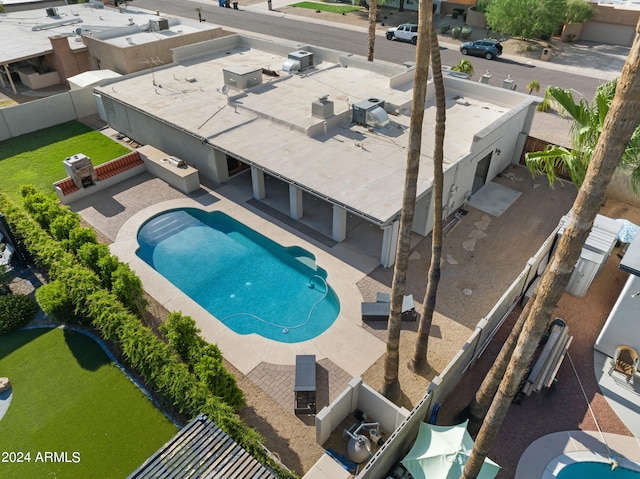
[(202, 450)]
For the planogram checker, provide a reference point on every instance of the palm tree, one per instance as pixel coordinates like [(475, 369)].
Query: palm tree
[(391, 385), (588, 121), (464, 66), (371, 33), (533, 85), (419, 360), (618, 128)]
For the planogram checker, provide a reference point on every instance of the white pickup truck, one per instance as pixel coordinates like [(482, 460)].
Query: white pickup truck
[(407, 32)]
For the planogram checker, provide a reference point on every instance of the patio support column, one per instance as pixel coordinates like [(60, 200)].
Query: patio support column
[(220, 168), (389, 242), (6, 70), (295, 202), (257, 182), (339, 230)]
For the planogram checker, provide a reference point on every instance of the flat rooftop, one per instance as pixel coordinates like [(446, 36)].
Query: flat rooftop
[(271, 126), (25, 34)]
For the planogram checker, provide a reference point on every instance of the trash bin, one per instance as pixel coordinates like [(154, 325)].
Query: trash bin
[(546, 54), (227, 3), (235, 5), (221, 3)]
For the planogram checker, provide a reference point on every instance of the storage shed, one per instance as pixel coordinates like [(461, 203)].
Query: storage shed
[(595, 253)]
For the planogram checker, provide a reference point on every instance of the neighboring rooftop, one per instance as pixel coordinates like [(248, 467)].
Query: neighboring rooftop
[(26, 33)]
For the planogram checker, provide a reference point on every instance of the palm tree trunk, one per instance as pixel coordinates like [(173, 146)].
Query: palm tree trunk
[(371, 34), (481, 401), (419, 360), (391, 385), (619, 125)]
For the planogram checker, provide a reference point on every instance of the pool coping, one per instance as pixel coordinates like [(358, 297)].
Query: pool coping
[(246, 352), (547, 455)]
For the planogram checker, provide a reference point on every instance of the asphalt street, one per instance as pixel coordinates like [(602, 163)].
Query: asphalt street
[(355, 41)]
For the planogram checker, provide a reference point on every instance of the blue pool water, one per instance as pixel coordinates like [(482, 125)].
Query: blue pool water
[(244, 279), (596, 470)]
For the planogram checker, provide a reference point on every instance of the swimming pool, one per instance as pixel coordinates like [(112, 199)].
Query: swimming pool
[(249, 282), (596, 470)]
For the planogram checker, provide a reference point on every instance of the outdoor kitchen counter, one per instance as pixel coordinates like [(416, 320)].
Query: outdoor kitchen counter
[(184, 178)]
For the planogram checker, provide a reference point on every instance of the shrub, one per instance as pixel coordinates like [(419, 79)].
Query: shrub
[(444, 27), (90, 254), (80, 236), (43, 209), (107, 266), (16, 311), (219, 381), (128, 288), (466, 32), (455, 32), (62, 225), (53, 299), (182, 334)]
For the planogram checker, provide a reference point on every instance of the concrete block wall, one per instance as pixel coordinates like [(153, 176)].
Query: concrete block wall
[(45, 112)]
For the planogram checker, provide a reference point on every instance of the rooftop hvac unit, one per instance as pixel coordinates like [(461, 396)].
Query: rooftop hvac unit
[(305, 58), (370, 113), (52, 12), (159, 24)]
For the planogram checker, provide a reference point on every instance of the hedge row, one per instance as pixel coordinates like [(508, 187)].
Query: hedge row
[(81, 287), (64, 226)]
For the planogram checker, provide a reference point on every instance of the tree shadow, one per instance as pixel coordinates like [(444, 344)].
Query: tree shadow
[(273, 441), (14, 341), (85, 350)]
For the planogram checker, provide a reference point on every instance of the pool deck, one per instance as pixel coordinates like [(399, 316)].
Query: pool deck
[(337, 343)]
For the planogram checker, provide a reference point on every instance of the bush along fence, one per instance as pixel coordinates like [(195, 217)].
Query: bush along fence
[(191, 378)]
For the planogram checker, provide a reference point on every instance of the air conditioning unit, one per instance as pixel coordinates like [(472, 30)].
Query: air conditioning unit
[(305, 58), (370, 113), (159, 24), (52, 12)]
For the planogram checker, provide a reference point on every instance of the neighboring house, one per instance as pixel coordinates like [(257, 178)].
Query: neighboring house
[(43, 47), (330, 125), (621, 327)]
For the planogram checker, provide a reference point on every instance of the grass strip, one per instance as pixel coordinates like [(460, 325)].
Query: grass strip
[(327, 7)]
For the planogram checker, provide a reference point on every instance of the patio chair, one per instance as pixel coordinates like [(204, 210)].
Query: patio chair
[(625, 361), (379, 310)]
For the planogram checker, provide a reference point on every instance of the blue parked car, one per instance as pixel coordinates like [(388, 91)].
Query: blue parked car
[(486, 47)]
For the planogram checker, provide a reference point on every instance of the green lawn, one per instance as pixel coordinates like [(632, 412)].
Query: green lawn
[(69, 398), (327, 7), (36, 158)]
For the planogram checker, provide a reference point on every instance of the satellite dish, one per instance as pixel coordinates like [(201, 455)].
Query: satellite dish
[(78, 31), (225, 89)]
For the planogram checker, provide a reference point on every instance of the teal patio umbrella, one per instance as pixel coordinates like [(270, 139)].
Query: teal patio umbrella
[(440, 452)]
